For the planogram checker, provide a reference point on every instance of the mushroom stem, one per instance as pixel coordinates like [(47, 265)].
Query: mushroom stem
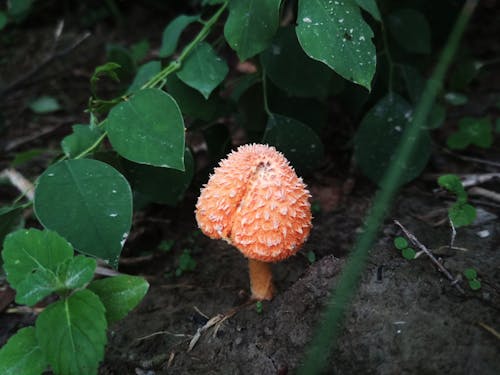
[(261, 280)]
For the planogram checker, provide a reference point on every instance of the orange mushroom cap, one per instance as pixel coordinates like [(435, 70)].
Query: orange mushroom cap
[(255, 201)]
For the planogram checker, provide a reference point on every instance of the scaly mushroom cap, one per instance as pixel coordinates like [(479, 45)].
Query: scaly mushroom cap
[(255, 201)]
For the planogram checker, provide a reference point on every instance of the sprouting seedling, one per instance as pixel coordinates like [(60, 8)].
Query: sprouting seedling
[(460, 213), (471, 276), (258, 307), (402, 244), (256, 202), (472, 131)]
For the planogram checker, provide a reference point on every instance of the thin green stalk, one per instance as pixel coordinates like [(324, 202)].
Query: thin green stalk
[(318, 353), (390, 61), (92, 147), (264, 93), (177, 64)]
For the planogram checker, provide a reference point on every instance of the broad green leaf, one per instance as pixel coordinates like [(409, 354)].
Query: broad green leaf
[(251, 114), (72, 334), (76, 272), (119, 294), (149, 129), (139, 50), (203, 70), (411, 30), (251, 26), (190, 101), (29, 250), (161, 185), (300, 144), (9, 218), (414, 82), (22, 354), (472, 131), (292, 70), (172, 32), (400, 243), (335, 33), (462, 214), (81, 139), (45, 104), (121, 56), (144, 73), (379, 134), (371, 7), (93, 209)]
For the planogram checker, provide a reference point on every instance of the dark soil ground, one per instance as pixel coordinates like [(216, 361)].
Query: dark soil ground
[(406, 317)]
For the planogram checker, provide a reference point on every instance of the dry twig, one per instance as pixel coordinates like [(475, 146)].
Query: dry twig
[(418, 244)]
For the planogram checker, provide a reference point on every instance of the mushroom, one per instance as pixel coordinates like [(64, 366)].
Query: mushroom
[(255, 201)]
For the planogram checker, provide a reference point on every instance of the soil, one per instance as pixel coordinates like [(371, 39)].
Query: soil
[(405, 318)]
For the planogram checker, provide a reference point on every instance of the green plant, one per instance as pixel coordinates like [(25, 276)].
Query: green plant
[(471, 276), (259, 307), (186, 263), (460, 213), (472, 131), (69, 335), (402, 244)]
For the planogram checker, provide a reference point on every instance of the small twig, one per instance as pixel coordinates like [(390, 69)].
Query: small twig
[(481, 192), (453, 233), (162, 333), (491, 330), (418, 244), (20, 182), (472, 159)]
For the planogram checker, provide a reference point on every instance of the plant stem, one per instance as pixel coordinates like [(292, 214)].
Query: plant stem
[(317, 354), (390, 61), (92, 147), (177, 64), (264, 93)]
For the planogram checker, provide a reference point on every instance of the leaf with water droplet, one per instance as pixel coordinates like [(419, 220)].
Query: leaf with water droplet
[(335, 33), (87, 192)]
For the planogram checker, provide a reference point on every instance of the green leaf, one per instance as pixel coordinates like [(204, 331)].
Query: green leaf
[(109, 69), (475, 284), (75, 272), (251, 26), (436, 117), (172, 32), (81, 139), (45, 104), (462, 214), (36, 286), (470, 273), (203, 70), (311, 256), (3, 20), (9, 218), (18, 9), (292, 70), (144, 74), (148, 129), (300, 144), (139, 50), (29, 250), (400, 243), (411, 30), (452, 183), (408, 253), (371, 7), (121, 56), (475, 131), (72, 334), (161, 185), (379, 134), (336, 34), (26, 156), (186, 261), (455, 98), (190, 101), (93, 209), (22, 354), (414, 82), (119, 294)]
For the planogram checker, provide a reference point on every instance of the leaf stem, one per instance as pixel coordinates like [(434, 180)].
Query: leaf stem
[(177, 63), (92, 147), (264, 93)]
